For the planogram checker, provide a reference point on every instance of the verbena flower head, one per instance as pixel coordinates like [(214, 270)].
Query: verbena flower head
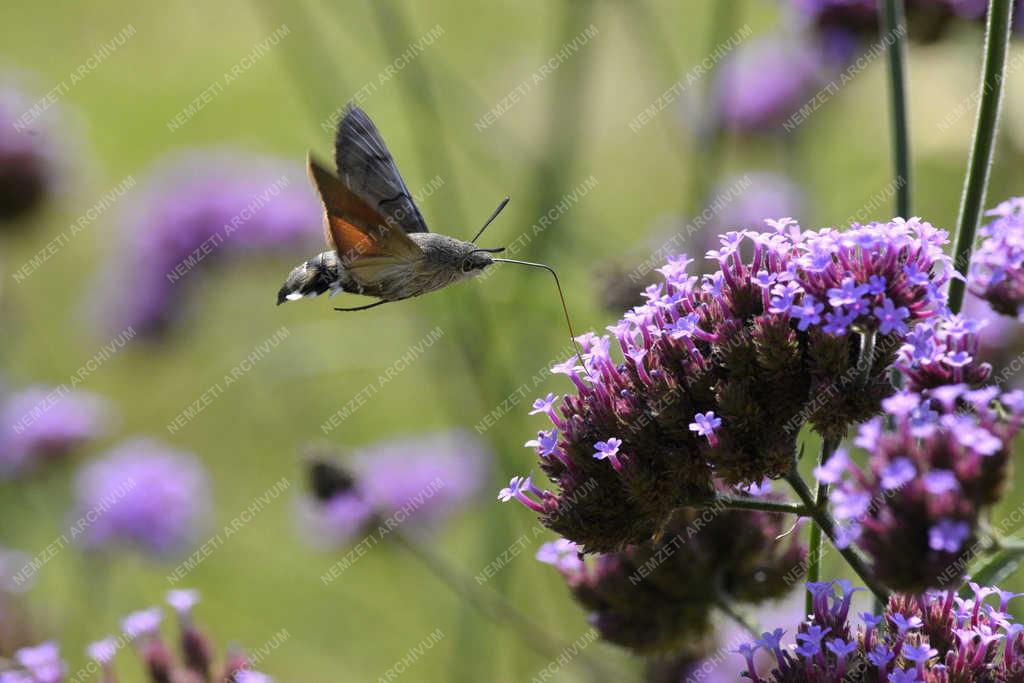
[(841, 20), (935, 637), (41, 424), (766, 343), (198, 208), (194, 662), (914, 508), (36, 664), (764, 81), (29, 159), (742, 201), (944, 351), (419, 480), (143, 494), (659, 596), (997, 265)]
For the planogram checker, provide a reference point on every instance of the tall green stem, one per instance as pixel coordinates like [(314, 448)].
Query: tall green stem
[(997, 41), (825, 524), (893, 23), (828, 447)]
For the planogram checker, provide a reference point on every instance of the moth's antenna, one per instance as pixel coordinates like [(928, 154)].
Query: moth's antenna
[(565, 309), (491, 219)]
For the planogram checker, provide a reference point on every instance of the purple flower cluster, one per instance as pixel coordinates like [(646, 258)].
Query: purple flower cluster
[(29, 159), (198, 208), (659, 596), (932, 466), (718, 375), (943, 351), (143, 494), (763, 82), (422, 480), (142, 629), (39, 425), (936, 637), (997, 266), (927, 20)]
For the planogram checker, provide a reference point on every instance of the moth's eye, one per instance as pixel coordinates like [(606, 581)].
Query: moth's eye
[(466, 266)]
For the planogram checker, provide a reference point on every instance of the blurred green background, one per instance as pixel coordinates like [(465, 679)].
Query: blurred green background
[(498, 333)]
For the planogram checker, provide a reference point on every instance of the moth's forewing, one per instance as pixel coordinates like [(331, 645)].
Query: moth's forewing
[(354, 228), (367, 168)]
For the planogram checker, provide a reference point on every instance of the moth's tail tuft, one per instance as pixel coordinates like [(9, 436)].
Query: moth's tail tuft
[(312, 278)]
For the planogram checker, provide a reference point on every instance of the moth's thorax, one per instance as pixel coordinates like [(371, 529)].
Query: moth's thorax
[(446, 260)]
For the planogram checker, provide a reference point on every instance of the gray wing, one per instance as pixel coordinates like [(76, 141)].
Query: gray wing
[(365, 165)]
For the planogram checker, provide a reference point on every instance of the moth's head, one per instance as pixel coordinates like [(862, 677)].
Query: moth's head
[(477, 259)]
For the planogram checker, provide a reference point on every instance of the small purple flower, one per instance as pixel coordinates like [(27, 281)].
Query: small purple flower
[(904, 676), (562, 554), (897, 473), (102, 651), (808, 312), (545, 443), (143, 494), (847, 294), (609, 450), (948, 535), (142, 623), (182, 601), (890, 318), (783, 297), (938, 482), (705, 424)]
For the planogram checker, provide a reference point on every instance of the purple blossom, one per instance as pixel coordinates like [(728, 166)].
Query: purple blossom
[(890, 318), (38, 425), (435, 475), (609, 450), (199, 207), (705, 424), (761, 83), (808, 312), (996, 272), (546, 442), (143, 494), (948, 535)]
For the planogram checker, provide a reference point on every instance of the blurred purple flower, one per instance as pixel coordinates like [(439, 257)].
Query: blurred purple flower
[(40, 424), (763, 82), (422, 480), (997, 266), (29, 159), (144, 494), (195, 209), (752, 197)]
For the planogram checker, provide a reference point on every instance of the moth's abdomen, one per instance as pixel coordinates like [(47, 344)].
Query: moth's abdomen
[(320, 274)]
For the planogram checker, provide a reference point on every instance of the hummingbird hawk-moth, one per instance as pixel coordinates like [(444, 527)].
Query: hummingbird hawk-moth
[(381, 246)]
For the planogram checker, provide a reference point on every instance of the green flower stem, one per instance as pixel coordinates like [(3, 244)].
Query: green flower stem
[(997, 41), (893, 23), (748, 503), (824, 523)]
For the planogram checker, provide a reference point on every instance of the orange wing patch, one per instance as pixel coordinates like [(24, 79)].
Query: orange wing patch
[(353, 227)]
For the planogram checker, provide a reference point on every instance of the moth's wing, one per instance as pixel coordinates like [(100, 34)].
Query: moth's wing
[(356, 230), (366, 166)]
